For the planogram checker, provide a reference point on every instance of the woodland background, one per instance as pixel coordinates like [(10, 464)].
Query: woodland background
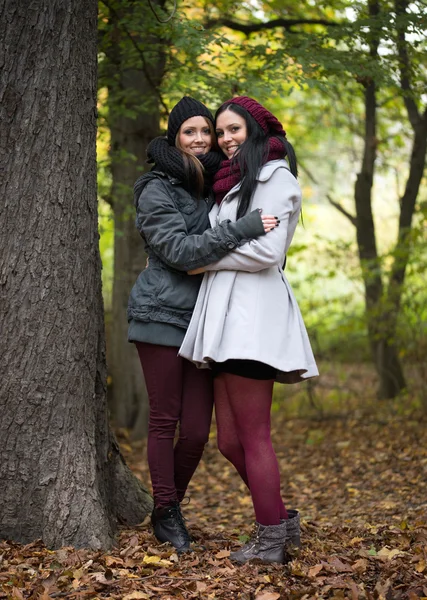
[(348, 81)]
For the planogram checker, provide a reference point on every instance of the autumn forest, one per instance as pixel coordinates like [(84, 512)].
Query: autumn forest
[(84, 87)]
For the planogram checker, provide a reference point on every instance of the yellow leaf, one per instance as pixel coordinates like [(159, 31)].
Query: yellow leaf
[(165, 563), (356, 540), (267, 578), (421, 566), (343, 444), (297, 570), (151, 560), (389, 554), (245, 501), (78, 573)]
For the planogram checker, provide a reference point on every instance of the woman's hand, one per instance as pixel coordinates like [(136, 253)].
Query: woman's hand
[(196, 271), (269, 222)]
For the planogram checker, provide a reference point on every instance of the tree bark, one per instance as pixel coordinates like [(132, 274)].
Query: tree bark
[(61, 474), (131, 89)]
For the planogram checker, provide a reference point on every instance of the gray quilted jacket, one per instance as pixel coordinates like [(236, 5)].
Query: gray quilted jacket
[(178, 237)]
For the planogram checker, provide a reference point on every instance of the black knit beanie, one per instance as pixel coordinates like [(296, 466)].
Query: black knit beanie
[(186, 108)]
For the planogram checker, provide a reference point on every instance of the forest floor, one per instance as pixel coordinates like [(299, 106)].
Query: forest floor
[(358, 475)]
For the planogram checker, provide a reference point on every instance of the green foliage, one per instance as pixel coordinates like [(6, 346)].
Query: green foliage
[(106, 248), (312, 76)]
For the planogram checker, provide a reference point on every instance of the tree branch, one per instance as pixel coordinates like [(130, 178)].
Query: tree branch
[(335, 204), (342, 210), (249, 28), (405, 81), (139, 50)]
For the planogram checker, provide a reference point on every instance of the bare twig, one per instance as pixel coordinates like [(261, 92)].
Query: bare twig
[(139, 50), (164, 20), (334, 203)]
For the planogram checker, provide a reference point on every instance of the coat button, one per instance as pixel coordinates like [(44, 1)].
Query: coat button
[(230, 245)]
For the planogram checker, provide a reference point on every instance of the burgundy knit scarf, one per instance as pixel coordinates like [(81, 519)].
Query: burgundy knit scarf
[(229, 172)]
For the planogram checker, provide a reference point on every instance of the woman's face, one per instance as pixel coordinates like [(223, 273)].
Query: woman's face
[(231, 131), (195, 136)]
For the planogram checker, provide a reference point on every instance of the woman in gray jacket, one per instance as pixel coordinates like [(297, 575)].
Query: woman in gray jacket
[(172, 203), (246, 324)]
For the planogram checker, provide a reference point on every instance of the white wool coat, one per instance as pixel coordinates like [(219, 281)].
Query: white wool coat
[(246, 308)]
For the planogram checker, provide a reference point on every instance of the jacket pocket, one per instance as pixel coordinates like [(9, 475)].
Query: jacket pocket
[(146, 287)]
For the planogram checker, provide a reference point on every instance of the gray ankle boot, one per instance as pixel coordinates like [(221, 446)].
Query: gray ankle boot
[(293, 534), (267, 544)]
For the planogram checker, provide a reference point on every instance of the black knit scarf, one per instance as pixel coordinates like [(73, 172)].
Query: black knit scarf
[(170, 160)]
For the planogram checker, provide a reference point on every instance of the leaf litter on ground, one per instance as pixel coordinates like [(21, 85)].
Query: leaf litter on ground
[(360, 484)]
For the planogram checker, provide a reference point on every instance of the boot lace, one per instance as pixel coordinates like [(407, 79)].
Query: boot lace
[(176, 514)]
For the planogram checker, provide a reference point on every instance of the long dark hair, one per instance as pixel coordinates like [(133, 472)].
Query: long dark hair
[(253, 154)]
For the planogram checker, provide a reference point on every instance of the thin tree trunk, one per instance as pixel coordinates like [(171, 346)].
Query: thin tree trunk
[(378, 318), (130, 90), (61, 474)]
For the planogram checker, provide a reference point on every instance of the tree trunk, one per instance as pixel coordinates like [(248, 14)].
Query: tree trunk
[(129, 139), (61, 474), (381, 340), (130, 90)]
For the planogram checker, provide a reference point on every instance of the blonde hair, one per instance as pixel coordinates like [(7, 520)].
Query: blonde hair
[(192, 164)]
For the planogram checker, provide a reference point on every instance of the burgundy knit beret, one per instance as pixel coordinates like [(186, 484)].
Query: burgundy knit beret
[(186, 108), (262, 116)]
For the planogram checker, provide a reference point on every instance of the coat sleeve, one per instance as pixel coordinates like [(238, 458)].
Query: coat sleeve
[(164, 228), (280, 196)]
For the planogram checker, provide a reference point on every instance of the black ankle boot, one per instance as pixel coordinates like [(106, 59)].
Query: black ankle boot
[(169, 526)]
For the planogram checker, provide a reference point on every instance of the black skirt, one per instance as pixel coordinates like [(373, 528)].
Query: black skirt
[(251, 369)]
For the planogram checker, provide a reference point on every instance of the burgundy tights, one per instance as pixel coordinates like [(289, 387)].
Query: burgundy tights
[(181, 393), (242, 408)]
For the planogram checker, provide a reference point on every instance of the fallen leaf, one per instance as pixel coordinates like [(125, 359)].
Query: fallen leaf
[(356, 540), (268, 596), (201, 586), (338, 565), (136, 596), (151, 560), (421, 566), (223, 554), (315, 570), (360, 565), (113, 561), (389, 554)]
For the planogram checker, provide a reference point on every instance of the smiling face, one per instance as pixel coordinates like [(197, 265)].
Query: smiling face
[(231, 131), (195, 136)]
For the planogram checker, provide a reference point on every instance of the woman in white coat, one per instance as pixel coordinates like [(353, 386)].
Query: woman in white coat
[(246, 325)]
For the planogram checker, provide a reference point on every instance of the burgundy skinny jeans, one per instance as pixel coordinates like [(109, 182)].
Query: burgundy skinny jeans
[(242, 409), (179, 393)]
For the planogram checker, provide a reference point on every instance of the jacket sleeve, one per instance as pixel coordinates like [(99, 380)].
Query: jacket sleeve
[(165, 230), (280, 196)]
